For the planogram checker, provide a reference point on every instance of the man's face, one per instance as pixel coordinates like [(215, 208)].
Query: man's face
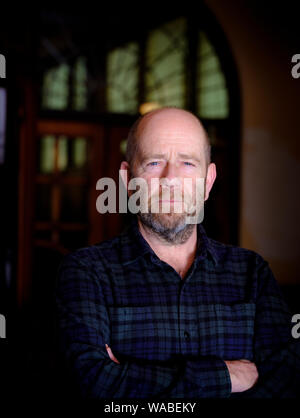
[(171, 148)]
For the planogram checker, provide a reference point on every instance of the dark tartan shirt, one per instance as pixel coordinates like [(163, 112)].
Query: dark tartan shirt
[(172, 335)]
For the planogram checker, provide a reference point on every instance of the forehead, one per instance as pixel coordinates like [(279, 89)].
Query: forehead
[(172, 129)]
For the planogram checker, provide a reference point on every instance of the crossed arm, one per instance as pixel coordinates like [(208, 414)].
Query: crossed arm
[(243, 373), (99, 374)]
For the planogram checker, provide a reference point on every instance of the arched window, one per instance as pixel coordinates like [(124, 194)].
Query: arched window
[(163, 81), (212, 94), (165, 73)]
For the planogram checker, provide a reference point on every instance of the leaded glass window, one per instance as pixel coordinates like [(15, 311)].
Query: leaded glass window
[(80, 84), (165, 64), (212, 94), (154, 72), (122, 79), (165, 74), (55, 92), (62, 154), (56, 86), (47, 154)]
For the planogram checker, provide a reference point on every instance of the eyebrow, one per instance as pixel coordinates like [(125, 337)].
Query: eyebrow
[(181, 155), (152, 156), (189, 157)]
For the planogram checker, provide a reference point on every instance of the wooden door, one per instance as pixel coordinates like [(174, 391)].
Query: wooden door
[(60, 163)]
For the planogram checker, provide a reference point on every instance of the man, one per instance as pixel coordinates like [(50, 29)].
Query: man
[(162, 310)]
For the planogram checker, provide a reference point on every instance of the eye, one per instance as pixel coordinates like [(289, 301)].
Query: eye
[(189, 164), (153, 163)]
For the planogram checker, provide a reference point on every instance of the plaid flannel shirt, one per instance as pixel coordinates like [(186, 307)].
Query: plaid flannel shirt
[(172, 335)]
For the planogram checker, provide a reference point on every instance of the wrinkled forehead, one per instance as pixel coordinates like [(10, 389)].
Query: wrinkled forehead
[(171, 128)]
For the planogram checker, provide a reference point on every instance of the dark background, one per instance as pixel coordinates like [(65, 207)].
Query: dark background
[(255, 203)]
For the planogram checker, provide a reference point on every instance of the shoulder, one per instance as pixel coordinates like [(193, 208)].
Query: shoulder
[(237, 259), (234, 253), (104, 252), (243, 267), (86, 268)]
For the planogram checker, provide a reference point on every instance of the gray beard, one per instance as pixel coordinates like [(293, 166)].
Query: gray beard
[(175, 233)]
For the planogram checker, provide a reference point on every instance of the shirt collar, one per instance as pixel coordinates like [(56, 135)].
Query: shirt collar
[(134, 245)]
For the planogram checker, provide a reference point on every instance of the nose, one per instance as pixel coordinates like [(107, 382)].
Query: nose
[(170, 171)]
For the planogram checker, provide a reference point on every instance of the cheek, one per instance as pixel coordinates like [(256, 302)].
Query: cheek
[(196, 187), (153, 186)]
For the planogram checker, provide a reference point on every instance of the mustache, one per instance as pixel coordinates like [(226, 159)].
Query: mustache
[(165, 191), (170, 194), (170, 200)]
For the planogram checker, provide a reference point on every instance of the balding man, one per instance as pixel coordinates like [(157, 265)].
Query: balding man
[(162, 310)]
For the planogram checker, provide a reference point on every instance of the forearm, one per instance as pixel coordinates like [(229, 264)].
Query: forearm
[(204, 377), (99, 377), (279, 374)]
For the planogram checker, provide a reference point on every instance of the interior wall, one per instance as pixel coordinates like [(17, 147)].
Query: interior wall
[(270, 143)]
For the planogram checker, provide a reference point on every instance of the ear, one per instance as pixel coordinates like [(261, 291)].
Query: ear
[(210, 179), (125, 173)]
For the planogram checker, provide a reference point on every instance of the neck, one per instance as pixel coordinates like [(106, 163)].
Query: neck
[(180, 256)]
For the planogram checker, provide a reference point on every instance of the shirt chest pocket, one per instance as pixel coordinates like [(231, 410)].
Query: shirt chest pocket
[(144, 332), (226, 331), (157, 332)]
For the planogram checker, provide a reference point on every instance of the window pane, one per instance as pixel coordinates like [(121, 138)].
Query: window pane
[(212, 93), (80, 84), (72, 155), (46, 154), (76, 155), (62, 158), (55, 89), (122, 79), (79, 153), (165, 64)]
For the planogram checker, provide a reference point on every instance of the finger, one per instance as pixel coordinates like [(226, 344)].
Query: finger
[(110, 353), (112, 357)]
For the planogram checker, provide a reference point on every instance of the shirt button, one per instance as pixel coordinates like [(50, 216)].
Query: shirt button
[(186, 336)]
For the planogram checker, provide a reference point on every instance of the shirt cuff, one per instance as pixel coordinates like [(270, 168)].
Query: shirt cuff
[(211, 374)]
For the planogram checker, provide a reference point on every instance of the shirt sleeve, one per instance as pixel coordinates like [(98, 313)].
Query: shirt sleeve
[(276, 352), (83, 328)]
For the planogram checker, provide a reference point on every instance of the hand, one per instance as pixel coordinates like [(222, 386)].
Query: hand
[(110, 353), (243, 374)]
